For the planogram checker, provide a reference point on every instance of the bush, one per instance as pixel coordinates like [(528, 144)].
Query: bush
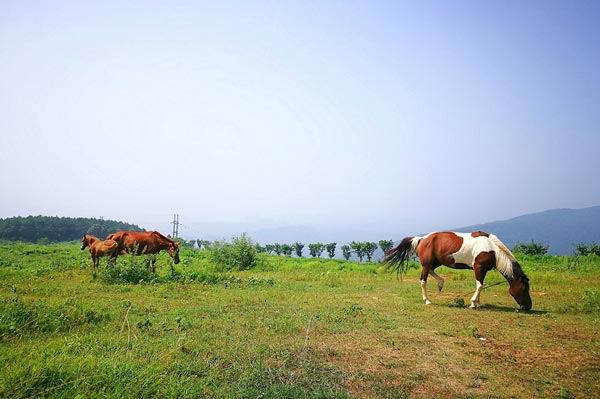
[(132, 272), (240, 254), (534, 248)]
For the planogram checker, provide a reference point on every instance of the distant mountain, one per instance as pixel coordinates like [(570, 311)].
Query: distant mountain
[(557, 228)]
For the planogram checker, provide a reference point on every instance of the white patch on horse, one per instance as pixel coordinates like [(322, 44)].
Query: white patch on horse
[(471, 247)]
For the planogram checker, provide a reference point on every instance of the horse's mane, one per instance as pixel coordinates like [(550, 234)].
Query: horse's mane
[(505, 260), (162, 236)]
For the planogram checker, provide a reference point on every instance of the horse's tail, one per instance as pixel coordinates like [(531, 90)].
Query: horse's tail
[(397, 257), (505, 260)]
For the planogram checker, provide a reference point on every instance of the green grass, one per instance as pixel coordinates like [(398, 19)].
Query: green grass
[(301, 328)]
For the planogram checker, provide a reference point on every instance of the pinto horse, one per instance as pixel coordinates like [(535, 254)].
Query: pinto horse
[(146, 243), (98, 248), (479, 251)]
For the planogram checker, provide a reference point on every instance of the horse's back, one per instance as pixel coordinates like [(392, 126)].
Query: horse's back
[(109, 245), (462, 248)]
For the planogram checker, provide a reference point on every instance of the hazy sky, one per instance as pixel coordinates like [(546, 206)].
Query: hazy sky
[(394, 116)]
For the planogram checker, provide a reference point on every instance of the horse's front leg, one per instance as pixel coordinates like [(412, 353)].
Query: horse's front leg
[(475, 298), (480, 272)]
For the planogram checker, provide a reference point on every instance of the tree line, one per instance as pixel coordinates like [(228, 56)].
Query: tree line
[(49, 229), (361, 250), (367, 249)]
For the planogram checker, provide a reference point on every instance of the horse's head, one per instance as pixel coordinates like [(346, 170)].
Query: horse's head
[(174, 252), (519, 289), (84, 242)]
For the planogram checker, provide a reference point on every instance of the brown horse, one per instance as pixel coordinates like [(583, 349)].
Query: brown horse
[(98, 248), (146, 243), (479, 251)]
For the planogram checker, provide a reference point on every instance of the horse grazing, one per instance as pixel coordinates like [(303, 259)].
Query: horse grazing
[(146, 243), (98, 248), (478, 251)]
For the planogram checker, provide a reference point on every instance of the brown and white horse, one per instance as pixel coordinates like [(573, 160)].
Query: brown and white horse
[(145, 243), (479, 251), (98, 248)]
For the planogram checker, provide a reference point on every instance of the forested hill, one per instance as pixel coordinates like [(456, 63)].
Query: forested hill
[(45, 229), (559, 229)]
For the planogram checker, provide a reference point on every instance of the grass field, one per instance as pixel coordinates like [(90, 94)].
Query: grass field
[(290, 328)]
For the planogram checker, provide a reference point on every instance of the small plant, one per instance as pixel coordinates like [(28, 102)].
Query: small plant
[(459, 302)]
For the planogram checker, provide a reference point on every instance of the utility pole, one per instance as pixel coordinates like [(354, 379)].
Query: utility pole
[(175, 226)]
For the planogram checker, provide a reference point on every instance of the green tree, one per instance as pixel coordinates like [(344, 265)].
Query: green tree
[(270, 248), (582, 249), (203, 244), (359, 250), (287, 249), (331, 249), (369, 248), (98, 229), (316, 249), (346, 251), (298, 247), (386, 245)]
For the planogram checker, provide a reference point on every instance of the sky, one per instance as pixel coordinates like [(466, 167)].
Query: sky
[(374, 118)]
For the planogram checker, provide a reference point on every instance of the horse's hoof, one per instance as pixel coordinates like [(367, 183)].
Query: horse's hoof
[(474, 306), (427, 302), (440, 286)]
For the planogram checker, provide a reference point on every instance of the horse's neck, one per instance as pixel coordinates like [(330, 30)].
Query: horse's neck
[(162, 241), (92, 241)]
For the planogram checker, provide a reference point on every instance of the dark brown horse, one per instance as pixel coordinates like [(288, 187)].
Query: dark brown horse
[(479, 251), (146, 243), (98, 248)]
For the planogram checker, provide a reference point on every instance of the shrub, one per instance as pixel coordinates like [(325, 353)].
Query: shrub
[(240, 254), (534, 248), (132, 272)]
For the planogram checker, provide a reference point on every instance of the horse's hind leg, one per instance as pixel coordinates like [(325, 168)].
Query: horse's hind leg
[(424, 272), (440, 280)]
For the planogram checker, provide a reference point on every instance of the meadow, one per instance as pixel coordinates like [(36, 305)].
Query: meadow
[(289, 328)]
